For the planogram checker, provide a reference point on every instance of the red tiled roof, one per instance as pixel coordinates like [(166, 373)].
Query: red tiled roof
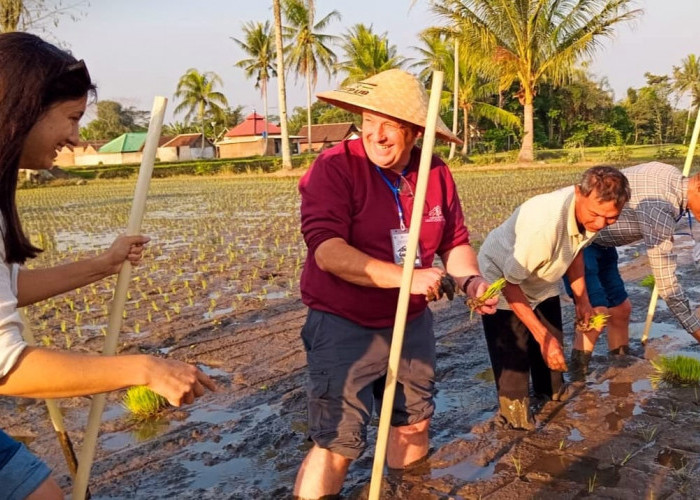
[(254, 124), (330, 132), (186, 140)]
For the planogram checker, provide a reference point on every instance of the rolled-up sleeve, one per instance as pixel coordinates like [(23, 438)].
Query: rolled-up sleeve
[(11, 342), (657, 228)]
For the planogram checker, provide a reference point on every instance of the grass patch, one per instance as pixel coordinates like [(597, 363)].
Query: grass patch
[(143, 403), (648, 281), (676, 370)]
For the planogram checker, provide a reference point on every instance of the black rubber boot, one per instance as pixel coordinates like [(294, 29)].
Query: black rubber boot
[(516, 413), (623, 350), (578, 367)]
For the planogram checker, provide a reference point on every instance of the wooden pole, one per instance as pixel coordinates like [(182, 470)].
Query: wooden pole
[(54, 411), (405, 291), (686, 170), (87, 452)]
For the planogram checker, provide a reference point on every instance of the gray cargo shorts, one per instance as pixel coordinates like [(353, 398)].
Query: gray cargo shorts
[(347, 366)]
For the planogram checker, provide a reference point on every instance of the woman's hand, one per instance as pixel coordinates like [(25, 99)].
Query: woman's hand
[(123, 248), (176, 381)]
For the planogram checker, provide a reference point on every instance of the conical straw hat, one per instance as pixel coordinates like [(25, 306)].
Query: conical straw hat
[(393, 93)]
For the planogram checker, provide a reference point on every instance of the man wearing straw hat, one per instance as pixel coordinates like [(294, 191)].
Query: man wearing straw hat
[(357, 200), (533, 249), (661, 196)]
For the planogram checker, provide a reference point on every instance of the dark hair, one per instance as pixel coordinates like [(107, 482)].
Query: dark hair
[(609, 184), (34, 75)]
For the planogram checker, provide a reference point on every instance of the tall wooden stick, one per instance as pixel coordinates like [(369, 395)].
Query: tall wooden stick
[(686, 171), (54, 411), (87, 452), (405, 291)]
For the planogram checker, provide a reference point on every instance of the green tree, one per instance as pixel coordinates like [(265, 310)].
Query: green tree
[(366, 54), (533, 40), (260, 46), (309, 47), (114, 120), (686, 81), (198, 98), (477, 84), (21, 15)]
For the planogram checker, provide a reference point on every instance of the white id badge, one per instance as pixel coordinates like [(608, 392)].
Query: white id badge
[(399, 244)]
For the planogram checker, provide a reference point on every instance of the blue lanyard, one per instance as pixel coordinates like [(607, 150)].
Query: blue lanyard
[(395, 190)]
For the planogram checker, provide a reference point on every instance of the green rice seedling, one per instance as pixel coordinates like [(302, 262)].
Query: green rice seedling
[(676, 370), (518, 464), (648, 281), (142, 403), (492, 291), (591, 482), (595, 322), (648, 433)]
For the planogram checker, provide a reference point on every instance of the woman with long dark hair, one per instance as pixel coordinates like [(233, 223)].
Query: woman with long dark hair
[(43, 95)]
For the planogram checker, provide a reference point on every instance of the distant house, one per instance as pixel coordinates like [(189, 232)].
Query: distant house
[(326, 135), (85, 153), (127, 148), (254, 137), (186, 147)]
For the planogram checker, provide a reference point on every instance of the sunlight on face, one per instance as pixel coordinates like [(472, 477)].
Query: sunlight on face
[(593, 214), (56, 128), (388, 142)]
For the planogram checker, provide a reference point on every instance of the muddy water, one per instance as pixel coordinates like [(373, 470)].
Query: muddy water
[(617, 437)]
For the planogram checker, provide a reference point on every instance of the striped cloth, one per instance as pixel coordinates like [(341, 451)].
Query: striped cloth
[(535, 246), (659, 200)]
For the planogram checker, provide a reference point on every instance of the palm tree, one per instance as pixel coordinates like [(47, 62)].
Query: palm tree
[(366, 54), (198, 97), (475, 79), (309, 48), (260, 46), (686, 80), (533, 40), (281, 89)]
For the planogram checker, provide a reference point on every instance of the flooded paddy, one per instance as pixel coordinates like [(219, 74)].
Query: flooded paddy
[(219, 288)]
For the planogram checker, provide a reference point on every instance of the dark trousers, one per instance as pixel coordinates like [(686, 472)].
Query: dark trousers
[(515, 354)]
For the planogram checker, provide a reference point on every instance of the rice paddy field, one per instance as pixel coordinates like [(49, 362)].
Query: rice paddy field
[(219, 287), (221, 247)]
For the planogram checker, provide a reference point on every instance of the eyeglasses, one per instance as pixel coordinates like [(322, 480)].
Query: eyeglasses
[(404, 187)]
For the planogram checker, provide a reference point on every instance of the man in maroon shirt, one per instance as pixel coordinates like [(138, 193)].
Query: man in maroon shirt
[(357, 200)]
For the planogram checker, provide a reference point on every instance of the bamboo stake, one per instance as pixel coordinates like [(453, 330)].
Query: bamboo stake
[(87, 452), (686, 171), (54, 411), (405, 291)]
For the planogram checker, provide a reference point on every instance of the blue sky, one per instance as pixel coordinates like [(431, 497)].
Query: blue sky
[(137, 49)]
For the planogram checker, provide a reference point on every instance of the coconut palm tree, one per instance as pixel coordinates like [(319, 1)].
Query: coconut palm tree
[(477, 82), (309, 48), (281, 88), (533, 40), (686, 80), (260, 46), (198, 97), (366, 54)]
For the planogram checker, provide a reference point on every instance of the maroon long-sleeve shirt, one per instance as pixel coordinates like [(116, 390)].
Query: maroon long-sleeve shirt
[(344, 196)]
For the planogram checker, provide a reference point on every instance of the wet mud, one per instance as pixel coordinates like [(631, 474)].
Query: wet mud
[(617, 436)]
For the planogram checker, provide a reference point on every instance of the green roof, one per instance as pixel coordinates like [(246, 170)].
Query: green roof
[(126, 143)]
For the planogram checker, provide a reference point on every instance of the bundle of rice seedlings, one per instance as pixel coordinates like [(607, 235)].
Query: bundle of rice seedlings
[(648, 281), (595, 322), (143, 403), (676, 370), (491, 291)]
